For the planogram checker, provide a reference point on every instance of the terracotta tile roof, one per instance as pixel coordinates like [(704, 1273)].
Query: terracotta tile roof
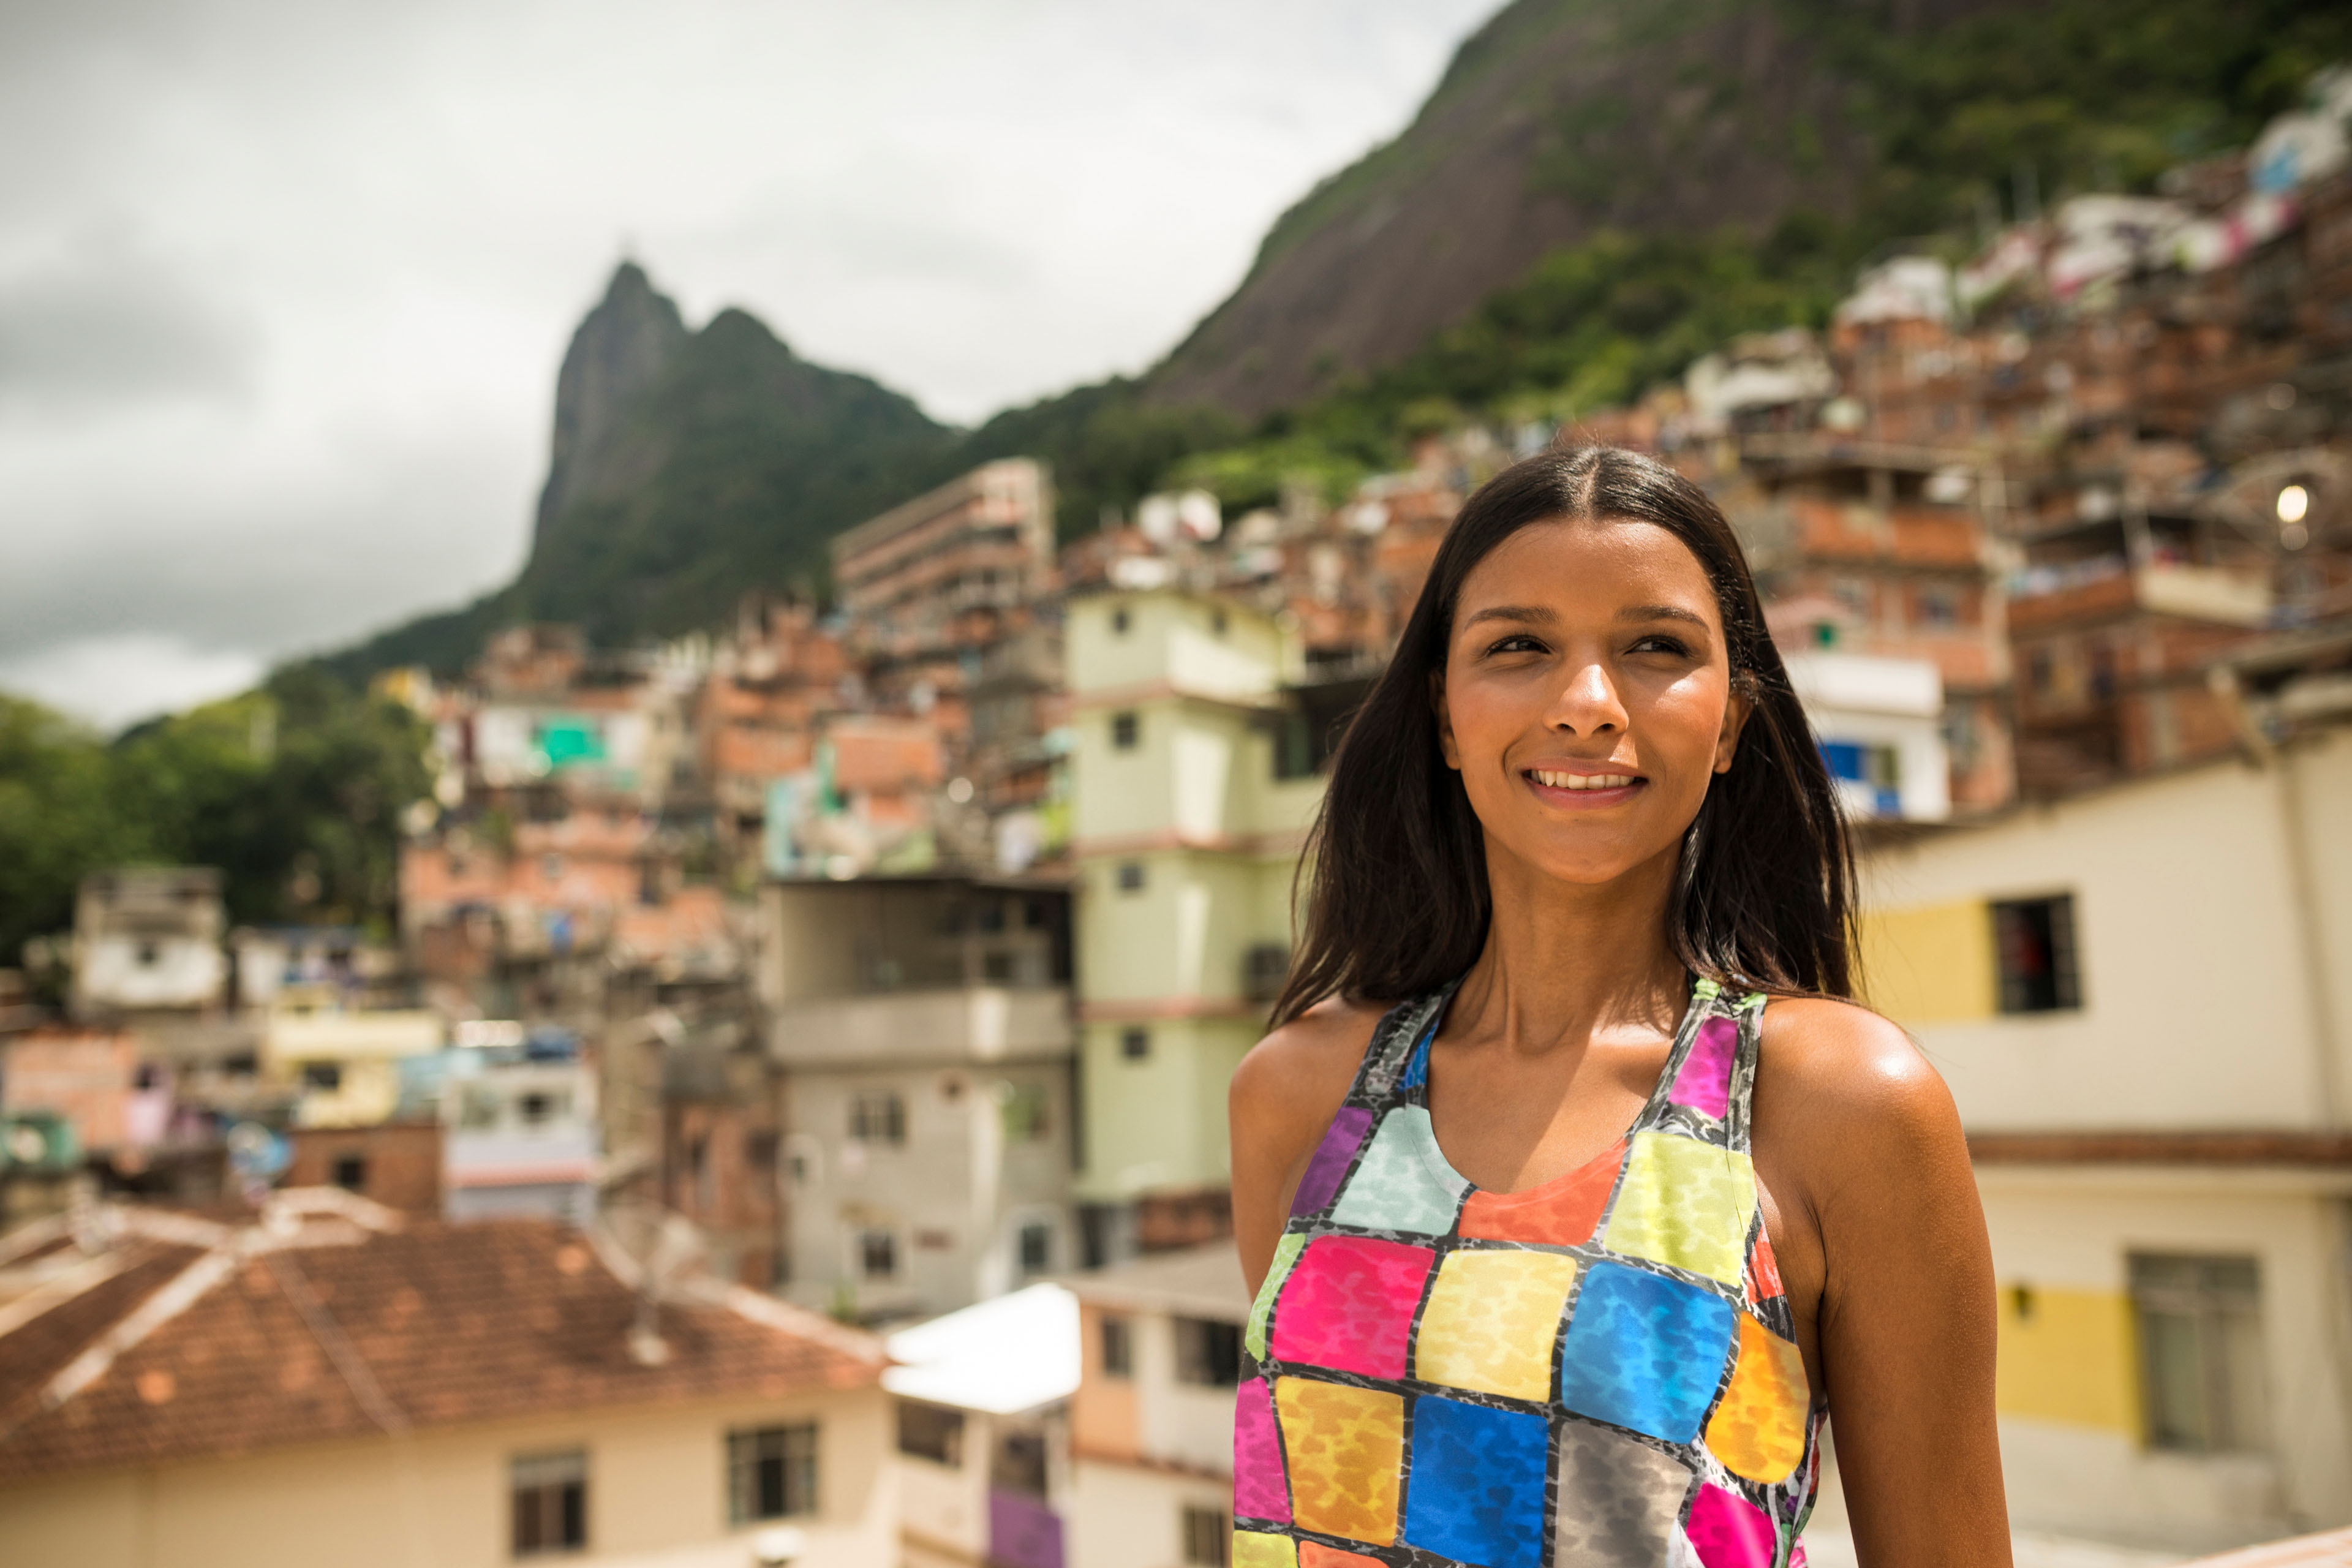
[(314, 1328)]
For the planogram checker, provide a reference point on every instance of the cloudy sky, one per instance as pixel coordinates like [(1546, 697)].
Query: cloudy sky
[(283, 286)]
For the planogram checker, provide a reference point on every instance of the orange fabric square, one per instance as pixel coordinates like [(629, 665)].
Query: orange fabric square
[(1564, 1213), (1315, 1554), (1758, 1430), (1346, 1451)]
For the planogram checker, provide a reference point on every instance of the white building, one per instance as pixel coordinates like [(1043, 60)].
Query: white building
[(519, 1138), (2142, 1000), (983, 1431), (924, 1027), (148, 939), (1879, 721)]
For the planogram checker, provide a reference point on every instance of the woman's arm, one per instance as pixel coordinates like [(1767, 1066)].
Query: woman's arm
[(1282, 1097), (1905, 1306)]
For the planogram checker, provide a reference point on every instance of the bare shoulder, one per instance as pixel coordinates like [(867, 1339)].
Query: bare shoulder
[(1298, 1075), (1831, 1067)]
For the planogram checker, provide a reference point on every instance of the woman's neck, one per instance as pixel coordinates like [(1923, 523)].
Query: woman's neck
[(1566, 961)]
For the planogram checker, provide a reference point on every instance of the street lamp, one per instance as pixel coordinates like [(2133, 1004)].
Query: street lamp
[(2293, 506)]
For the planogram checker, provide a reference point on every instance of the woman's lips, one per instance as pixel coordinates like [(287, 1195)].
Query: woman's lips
[(1583, 790)]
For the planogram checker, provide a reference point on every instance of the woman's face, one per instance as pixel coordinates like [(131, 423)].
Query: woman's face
[(1587, 696)]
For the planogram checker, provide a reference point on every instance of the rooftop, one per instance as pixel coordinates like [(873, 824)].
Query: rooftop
[(1200, 1282), (155, 1336)]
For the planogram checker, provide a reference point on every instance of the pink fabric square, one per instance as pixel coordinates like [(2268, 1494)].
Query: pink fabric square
[(1349, 1305), (1729, 1532), (1704, 1082), (1260, 1488)]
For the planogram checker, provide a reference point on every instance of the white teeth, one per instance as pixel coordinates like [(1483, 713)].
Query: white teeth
[(1579, 781)]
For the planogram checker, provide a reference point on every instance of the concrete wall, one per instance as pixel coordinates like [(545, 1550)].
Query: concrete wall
[(1158, 1122), (1174, 638), (954, 1194), (2214, 934), (2209, 998), (1124, 1516), (657, 1494), (2072, 1430)]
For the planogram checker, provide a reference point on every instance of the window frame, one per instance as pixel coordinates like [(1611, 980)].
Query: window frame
[(2018, 993), (556, 1483), (746, 1493)]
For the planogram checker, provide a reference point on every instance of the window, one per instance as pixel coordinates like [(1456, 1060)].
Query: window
[(2033, 942), (551, 1503), (1037, 1247), (1019, 1464), (760, 1151), (878, 1117), (878, 1254), (772, 1472), (1135, 1045), (350, 1172), (1207, 1533), (1208, 1352), (1120, 622), (931, 1432), (1130, 877), (1118, 1345), (324, 1076), (996, 968), (2200, 1336), (1023, 1107), (536, 1108), (1126, 728), (1217, 623)]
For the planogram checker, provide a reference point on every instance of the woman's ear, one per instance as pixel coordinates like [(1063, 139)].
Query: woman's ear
[(1736, 711), (1445, 747)]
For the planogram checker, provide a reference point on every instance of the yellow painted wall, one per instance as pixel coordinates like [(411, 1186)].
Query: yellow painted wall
[(2071, 1357), (1158, 1124), (1930, 964)]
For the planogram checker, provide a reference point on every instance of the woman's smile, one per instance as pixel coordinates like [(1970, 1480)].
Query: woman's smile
[(1579, 787)]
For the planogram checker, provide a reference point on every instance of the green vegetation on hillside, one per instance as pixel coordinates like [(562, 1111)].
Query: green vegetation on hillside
[(2055, 99), (294, 791)]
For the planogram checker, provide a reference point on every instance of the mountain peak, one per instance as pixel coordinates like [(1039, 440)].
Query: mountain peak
[(620, 352)]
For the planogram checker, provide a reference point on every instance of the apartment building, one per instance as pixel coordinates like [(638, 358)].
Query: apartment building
[(1189, 811), (923, 1026)]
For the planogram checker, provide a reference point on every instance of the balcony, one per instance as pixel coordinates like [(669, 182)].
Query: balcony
[(2106, 587), (971, 1024)]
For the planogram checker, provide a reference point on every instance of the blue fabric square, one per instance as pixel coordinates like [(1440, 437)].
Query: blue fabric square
[(1475, 1490), (1644, 1352)]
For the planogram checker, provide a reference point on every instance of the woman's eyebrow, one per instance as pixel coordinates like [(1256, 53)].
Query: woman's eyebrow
[(1536, 613), (1661, 613)]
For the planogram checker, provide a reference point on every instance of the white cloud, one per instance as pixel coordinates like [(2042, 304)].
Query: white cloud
[(114, 681), (295, 279)]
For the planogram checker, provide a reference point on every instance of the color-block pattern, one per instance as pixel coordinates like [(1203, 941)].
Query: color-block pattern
[(1477, 1490), (1347, 1453), (1597, 1371), (1349, 1305), (1261, 1488), (1491, 1320), (1759, 1430), (1685, 1204), (1403, 1182)]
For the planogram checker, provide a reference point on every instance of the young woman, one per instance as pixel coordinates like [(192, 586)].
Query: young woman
[(1573, 1193)]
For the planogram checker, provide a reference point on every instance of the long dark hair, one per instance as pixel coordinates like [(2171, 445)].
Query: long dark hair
[(1395, 870)]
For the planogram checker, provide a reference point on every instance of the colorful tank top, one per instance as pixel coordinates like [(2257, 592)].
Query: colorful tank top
[(1597, 1373)]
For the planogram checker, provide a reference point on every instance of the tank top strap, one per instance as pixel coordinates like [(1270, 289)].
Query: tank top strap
[(1711, 1075), (1396, 1058)]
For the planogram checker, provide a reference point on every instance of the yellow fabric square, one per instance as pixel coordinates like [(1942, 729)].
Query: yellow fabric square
[(1685, 1204), (1758, 1430), (1253, 1548), (1346, 1448), (1491, 1320)]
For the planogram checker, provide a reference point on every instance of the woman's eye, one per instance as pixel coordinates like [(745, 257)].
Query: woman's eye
[(1521, 644), (1662, 644)]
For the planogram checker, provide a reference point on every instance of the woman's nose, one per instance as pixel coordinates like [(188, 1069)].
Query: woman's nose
[(1588, 703)]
